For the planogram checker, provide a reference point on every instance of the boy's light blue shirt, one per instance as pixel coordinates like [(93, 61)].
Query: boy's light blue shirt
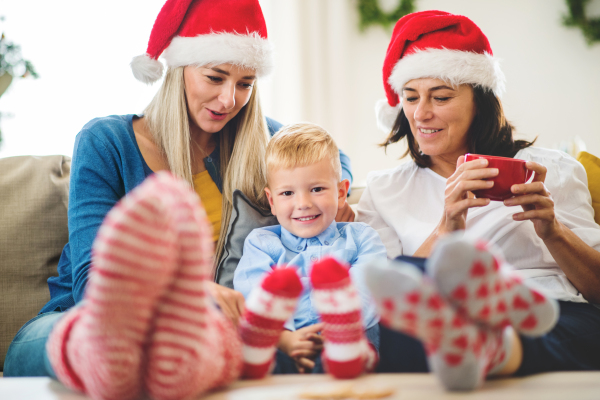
[(355, 243)]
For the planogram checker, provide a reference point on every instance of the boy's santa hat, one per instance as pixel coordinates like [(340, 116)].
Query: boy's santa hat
[(435, 44), (206, 32)]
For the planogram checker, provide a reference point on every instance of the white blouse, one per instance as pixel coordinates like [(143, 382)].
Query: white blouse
[(406, 203)]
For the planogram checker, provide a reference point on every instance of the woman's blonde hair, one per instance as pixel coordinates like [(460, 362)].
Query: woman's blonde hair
[(242, 142)]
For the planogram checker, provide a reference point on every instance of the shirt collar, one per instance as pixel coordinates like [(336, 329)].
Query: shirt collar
[(295, 243)]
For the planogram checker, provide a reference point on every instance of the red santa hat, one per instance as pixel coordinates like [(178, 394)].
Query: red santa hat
[(206, 32), (435, 44)]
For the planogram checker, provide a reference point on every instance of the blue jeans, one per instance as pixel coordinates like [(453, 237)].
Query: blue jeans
[(26, 354), (284, 364)]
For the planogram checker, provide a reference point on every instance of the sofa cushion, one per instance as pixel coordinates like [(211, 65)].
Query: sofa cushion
[(245, 217), (34, 194), (591, 164)]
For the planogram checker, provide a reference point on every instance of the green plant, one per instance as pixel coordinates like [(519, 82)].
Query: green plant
[(13, 64), (590, 27), (371, 14)]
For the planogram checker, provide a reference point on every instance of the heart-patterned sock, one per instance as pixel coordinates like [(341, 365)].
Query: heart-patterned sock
[(459, 352), (474, 279)]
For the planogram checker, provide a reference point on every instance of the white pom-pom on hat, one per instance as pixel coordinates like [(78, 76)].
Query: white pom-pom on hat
[(386, 115), (146, 69)]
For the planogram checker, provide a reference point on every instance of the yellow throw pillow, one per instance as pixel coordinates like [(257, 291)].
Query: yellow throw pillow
[(592, 167)]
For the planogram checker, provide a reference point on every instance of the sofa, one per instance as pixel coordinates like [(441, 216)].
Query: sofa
[(33, 232)]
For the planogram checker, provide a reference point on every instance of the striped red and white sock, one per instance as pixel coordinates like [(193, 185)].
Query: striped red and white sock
[(193, 346), (267, 308), (459, 352), (347, 353), (474, 279), (100, 346)]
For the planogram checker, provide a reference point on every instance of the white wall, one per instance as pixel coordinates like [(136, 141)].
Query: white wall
[(327, 72), (82, 51)]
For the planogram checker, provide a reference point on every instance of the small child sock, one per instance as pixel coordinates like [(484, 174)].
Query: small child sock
[(347, 353), (193, 346), (268, 307), (459, 352), (98, 346), (481, 286)]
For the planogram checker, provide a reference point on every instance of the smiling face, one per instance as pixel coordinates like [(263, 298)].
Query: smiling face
[(439, 117), (305, 200), (215, 95)]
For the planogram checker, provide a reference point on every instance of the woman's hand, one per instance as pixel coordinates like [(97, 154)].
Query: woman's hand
[(469, 176), (303, 345), (230, 301), (345, 214), (537, 203), (458, 198)]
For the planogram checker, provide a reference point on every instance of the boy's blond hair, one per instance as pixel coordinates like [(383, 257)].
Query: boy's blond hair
[(300, 145)]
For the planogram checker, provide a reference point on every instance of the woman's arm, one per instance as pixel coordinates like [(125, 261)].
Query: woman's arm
[(579, 261), (95, 187)]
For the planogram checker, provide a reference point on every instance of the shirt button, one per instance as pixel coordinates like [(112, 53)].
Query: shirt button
[(313, 258), (326, 243), (209, 159), (299, 248)]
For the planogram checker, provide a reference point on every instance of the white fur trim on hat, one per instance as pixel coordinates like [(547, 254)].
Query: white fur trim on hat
[(453, 66), (386, 115), (146, 69), (249, 50)]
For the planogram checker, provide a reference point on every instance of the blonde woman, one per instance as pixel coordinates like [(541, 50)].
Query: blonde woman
[(205, 126)]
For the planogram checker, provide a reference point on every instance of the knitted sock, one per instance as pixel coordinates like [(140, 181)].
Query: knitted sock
[(98, 346), (460, 352), (482, 287), (347, 353), (193, 347), (268, 307)]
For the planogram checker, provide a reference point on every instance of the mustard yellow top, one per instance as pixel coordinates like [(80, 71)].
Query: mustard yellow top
[(211, 198)]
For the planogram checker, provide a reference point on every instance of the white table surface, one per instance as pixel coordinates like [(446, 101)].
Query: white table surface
[(550, 386)]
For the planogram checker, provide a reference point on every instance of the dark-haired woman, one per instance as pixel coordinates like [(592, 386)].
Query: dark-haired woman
[(443, 90)]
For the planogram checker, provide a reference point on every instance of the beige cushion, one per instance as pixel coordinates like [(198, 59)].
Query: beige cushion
[(34, 193)]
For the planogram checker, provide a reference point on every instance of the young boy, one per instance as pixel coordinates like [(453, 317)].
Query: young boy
[(305, 192)]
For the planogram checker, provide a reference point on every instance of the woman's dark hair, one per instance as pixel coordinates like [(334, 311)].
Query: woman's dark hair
[(490, 133)]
